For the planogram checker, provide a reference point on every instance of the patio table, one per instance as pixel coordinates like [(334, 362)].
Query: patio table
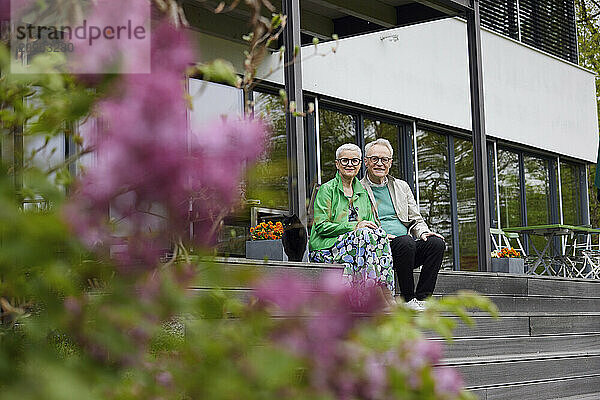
[(572, 259)]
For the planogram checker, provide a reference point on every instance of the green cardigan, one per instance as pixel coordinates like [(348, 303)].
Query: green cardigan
[(331, 212)]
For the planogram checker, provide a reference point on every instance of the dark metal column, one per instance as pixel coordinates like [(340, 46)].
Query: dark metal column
[(294, 125), (482, 198), (360, 141), (406, 158)]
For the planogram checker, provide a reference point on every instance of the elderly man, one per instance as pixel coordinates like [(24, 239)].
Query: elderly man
[(412, 243)]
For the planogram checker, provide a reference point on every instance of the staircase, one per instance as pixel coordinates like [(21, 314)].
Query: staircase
[(546, 344)]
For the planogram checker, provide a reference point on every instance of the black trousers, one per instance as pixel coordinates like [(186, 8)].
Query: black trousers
[(409, 254)]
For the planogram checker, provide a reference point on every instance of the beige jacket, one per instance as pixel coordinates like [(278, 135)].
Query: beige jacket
[(405, 205)]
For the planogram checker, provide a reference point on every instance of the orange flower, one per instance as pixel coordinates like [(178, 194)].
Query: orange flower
[(267, 231)]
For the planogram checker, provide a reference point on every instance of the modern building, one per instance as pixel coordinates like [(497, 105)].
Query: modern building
[(484, 101)]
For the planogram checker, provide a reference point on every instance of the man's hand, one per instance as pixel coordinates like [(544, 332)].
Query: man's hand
[(425, 235), (366, 224), (389, 236)]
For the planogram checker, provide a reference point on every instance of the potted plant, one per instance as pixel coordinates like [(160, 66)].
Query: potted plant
[(508, 260), (266, 242)]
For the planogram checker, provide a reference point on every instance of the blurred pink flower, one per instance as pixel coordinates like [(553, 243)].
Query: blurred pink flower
[(376, 377), (119, 51), (325, 318), (14, 9), (448, 382), (287, 292), (423, 352), (150, 167)]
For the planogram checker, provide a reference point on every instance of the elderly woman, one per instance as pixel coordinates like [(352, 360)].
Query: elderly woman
[(344, 229)]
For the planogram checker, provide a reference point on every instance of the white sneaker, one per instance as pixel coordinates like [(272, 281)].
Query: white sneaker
[(416, 305)]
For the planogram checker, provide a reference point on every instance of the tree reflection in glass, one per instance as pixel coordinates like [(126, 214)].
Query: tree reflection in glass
[(465, 196), (434, 186), (537, 190), (593, 201), (509, 189), (571, 193), (537, 193), (268, 180), (380, 130), (335, 129)]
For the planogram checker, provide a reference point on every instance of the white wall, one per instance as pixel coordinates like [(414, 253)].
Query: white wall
[(530, 98), (210, 48)]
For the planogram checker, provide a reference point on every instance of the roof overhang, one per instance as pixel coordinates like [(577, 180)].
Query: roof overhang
[(323, 18)]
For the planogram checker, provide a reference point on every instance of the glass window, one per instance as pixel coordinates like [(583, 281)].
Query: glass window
[(537, 190), (268, 180), (41, 151), (593, 201), (537, 194), (374, 129), (571, 193), (465, 206), (434, 186), (492, 185), (211, 101), (509, 189), (335, 129)]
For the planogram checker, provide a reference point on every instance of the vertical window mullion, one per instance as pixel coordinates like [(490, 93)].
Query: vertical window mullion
[(560, 199), (360, 140), (311, 157), (318, 140), (414, 129), (453, 202), (523, 199), (407, 160), (552, 177), (585, 205)]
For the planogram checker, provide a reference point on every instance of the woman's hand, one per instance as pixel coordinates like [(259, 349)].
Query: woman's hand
[(366, 224)]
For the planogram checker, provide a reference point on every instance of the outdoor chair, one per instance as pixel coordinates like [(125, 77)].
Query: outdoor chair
[(501, 239)]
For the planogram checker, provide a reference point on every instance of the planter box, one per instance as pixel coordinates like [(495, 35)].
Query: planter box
[(509, 265), (265, 249)]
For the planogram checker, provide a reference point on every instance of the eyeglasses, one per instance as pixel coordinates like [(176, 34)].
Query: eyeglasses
[(349, 161), (375, 159)]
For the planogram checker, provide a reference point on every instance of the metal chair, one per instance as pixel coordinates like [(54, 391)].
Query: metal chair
[(501, 239)]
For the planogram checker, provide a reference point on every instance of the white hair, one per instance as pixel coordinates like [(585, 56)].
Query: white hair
[(349, 147), (381, 142)]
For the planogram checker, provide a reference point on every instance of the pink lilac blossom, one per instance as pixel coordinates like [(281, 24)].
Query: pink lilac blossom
[(14, 9), (328, 318), (322, 317), (117, 51), (150, 167), (448, 382), (424, 352)]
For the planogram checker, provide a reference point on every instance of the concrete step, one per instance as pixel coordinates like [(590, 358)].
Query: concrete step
[(494, 284), (588, 396), (543, 305), (528, 324), (497, 371), (513, 347), (580, 388), (546, 344), (575, 323), (510, 284)]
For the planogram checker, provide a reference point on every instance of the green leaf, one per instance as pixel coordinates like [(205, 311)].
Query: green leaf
[(219, 71)]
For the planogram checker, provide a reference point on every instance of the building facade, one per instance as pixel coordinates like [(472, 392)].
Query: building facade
[(410, 84)]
